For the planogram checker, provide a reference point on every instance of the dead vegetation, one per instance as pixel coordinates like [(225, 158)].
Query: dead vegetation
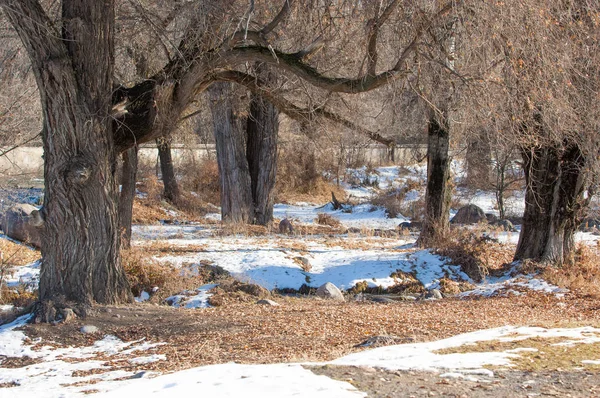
[(477, 254)]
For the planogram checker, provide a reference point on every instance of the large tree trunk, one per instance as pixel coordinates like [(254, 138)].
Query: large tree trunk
[(438, 192), (236, 195), (171, 188), (128, 180), (554, 202), (261, 152), (80, 239)]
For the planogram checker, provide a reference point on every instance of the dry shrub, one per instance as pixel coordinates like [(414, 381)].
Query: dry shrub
[(300, 180), (202, 178), (328, 219), (15, 254), (144, 273), (476, 254), (232, 291), (450, 287), (20, 297), (582, 275), (152, 187)]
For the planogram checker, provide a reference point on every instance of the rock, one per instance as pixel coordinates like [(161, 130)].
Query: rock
[(353, 230), (21, 222), (285, 227), (267, 302), (506, 225), (433, 294), (67, 315), (491, 217), (329, 291), (469, 214), (304, 263), (413, 226), (89, 329)]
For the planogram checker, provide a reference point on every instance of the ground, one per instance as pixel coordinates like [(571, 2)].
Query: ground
[(510, 334)]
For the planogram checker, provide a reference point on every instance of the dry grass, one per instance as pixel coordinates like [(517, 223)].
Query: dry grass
[(145, 274), (582, 275), (328, 219), (477, 254), (545, 354), (202, 178), (17, 254)]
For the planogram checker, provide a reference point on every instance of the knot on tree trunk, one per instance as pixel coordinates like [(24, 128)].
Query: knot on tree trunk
[(78, 171)]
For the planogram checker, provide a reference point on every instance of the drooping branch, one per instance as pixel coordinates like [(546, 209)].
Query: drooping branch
[(295, 112), (259, 36)]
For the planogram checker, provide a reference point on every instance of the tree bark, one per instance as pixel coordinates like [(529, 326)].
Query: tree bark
[(438, 191), (128, 181), (234, 175), (171, 191), (261, 151), (80, 238), (554, 202)]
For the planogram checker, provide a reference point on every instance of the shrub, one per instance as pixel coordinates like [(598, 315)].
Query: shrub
[(476, 254), (328, 219), (581, 275)]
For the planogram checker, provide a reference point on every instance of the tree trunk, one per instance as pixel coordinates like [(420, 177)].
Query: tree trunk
[(80, 237), (261, 152), (234, 175), (128, 180), (438, 192), (554, 202), (171, 188)]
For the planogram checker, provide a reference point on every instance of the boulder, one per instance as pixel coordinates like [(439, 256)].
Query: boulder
[(329, 291), (491, 217), (22, 222), (267, 302), (506, 225), (413, 226), (469, 214), (286, 227)]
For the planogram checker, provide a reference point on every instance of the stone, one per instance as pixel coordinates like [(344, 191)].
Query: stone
[(304, 263), (329, 291), (89, 329), (505, 225), (469, 214), (413, 226), (433, 294), (286, 227), (22, 222), (67, 315), (491, 217), (267, 302)]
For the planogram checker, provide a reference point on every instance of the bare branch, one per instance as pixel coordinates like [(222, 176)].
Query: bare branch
[(299, 114), (375, 25)]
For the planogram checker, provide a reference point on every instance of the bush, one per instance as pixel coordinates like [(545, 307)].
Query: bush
[(476, 254), (328, 219), (581, 275)]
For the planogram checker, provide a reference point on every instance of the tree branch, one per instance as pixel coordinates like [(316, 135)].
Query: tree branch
[(299, 114), (375, 25)]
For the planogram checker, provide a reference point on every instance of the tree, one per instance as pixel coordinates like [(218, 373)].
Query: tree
[(128, 186), (547, 71), (84, 130)]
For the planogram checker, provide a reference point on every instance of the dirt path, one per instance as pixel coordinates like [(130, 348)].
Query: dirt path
[(382, 384)]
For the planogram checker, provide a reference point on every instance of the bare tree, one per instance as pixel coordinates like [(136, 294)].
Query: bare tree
[(73, 61)]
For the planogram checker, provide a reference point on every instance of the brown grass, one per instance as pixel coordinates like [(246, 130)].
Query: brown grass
[(328, 219), (144, 273), (582, 275), (16, 254), (202, 178), (475, 253)]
